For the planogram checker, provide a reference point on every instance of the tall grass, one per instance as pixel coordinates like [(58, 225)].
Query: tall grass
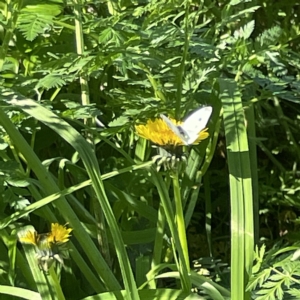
[(67, 67)]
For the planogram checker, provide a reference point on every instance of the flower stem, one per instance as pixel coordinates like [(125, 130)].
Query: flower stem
[(180, 218)]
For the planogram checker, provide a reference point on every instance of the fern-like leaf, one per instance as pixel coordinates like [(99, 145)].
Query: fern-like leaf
[(259, 279), (33, 25), (36, 19), (295, 293), (245, 31), (50, 81), (270, 36)]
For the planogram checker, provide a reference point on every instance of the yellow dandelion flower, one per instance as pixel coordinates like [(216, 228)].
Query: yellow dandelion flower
[(159, 133), (59, 234), (49, 247), (29, 238), (38, 240)]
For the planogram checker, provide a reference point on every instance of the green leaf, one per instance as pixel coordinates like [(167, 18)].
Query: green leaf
[(31, 25), (240, 187), (37, 19), (19, 292), (245, 31), (50, 81), (120, 121)]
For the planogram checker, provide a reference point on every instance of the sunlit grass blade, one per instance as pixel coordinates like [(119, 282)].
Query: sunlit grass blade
[(251, 129), (19, 292), (211, 288), (141, 150), (242, 243)]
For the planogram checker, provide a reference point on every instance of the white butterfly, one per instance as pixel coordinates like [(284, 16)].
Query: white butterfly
[(189, 131)]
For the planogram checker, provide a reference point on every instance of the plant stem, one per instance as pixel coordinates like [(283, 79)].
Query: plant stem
[(180, 219), (80, 49)]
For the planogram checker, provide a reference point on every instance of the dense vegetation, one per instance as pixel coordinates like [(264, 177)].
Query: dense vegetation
[(218, 220)]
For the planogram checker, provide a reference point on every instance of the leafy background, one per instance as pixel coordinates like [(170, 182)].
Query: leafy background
[(124, 62)]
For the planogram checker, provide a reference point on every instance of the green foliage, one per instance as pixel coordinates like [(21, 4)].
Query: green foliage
[(66, 67), (35, 20), (276, 275)]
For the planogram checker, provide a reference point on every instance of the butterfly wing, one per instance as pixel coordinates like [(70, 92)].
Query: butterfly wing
[(195, 123), (176, 129), (189, 131)]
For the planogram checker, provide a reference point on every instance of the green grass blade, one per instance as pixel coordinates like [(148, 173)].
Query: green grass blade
[(19, 292), (254, 172), (240, 188)]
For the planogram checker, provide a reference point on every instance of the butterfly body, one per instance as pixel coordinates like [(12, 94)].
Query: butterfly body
[(189, 131)]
